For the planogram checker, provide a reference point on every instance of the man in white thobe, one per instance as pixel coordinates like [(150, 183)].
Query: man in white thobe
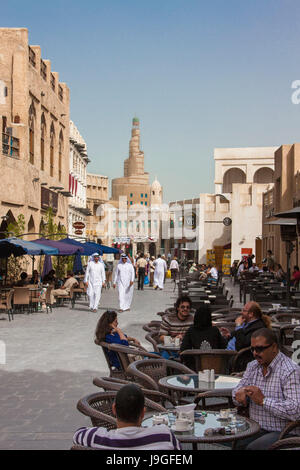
[(159, 273), (94, 280), (124, 277)]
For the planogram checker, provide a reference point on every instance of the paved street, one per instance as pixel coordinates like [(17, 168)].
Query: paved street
[(51, 361)]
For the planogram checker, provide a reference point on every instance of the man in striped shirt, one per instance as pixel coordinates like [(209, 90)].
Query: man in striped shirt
[(271, 387), (129, 408)]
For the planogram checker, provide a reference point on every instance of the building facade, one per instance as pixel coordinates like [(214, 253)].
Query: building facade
[(34, 108), (284, 196), (78, 211), (97, 198)]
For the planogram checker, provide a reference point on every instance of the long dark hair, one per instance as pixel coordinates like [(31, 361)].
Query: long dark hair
[(202, 318), (103, 326)]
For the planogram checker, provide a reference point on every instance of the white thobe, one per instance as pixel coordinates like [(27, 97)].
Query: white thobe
[(123, 276), (95, 276), (159, 273)]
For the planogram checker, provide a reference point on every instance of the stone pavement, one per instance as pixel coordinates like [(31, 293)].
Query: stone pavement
[(51, 361)]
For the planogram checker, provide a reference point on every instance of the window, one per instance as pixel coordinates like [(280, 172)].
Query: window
[(31, 119), (43, 70), (131, 203), (60, 152), (52, 81), (146, 195), (10, 144), (43, 131), (142, 202), (142, 195), (131, 194), (60, 93), (52, 138), (146, 203)]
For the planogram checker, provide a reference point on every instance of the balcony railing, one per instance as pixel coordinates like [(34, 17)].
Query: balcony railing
[(10, 145), (32, 59)]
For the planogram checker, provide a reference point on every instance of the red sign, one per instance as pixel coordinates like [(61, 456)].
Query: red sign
[(78, 225), (246, 251), (78, 232)]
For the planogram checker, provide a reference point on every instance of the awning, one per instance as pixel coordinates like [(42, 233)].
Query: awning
[(32, 248), (64, 249)]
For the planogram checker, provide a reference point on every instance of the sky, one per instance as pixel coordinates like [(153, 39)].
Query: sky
[(199, 75)]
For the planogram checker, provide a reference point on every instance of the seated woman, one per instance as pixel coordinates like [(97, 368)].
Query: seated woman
[(202, 335), (107, 330)]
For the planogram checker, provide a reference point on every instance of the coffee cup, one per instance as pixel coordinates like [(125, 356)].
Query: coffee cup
[(224, 414), (158, 420), (167, 340), (177, 341), (182, 424)]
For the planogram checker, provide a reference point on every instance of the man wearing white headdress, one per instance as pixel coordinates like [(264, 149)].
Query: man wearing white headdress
[(159, 273), (124, 277), (94, 280)]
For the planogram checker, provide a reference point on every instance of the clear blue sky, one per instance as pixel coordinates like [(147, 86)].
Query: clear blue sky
[(198, 74)]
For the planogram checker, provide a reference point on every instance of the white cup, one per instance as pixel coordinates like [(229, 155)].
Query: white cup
[(177, 341), (182, 424), (167, 340), (158, 420), (224, 414)]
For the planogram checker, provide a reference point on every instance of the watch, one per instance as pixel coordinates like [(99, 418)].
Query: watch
[(264, 401)]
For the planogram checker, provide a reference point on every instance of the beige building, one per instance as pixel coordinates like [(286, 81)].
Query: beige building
[(284, 196), (34, 108), (97, 198)]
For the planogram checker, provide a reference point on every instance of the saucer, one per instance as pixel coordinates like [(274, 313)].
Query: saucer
[(188, 428), (223, 419)]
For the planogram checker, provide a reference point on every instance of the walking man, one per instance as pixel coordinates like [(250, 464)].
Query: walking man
[(124, 277), (94, 280), (159, 273), (141, 270)]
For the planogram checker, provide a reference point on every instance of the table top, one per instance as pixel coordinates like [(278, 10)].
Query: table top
[(169, 347), (237, 428), (190, 383)]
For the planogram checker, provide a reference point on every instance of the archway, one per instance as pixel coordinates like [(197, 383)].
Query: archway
[(140, 247), (152, 249), (264, 175), (31, 226), (234, 175)]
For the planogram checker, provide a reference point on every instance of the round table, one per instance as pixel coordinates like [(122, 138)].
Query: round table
[(244, 427), (169, 347), (190, 383)]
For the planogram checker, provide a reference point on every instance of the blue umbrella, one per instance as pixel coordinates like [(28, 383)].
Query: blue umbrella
[(77, 265), (32, 248), (47, 266), (7, 249)]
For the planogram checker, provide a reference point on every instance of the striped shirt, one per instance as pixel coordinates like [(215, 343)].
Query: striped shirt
[(281, 388), (158, 437), (171, 325)]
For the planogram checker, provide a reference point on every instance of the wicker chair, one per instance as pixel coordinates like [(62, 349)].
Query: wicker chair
[(154, 325), (70, 296), (98, 407), (148, 372), (21, 297), (125, 355), (6, 304), (286, 317), (114, 384), (220, 399), (286, 335), (292, 443), (241, 359), (217, 359), (153, 338)]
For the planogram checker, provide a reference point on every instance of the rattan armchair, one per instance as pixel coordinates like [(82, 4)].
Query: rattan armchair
[(217, 359), (21, 297), (70, 296), (292, 443), (153, 338), (98, 407), (114, 384), (125, 355), (286, 317), (289, 428), (220, 399), (148, 372)]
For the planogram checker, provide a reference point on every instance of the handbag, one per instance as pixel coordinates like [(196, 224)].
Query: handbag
[(146, 280)]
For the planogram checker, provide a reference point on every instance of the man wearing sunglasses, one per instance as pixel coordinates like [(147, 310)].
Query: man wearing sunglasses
[(271, 387)]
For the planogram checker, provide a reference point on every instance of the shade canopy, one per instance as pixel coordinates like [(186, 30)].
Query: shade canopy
[(282, 222), (89, 248), (77, 265), (31, 248), (7, 249), (47, 266), (64, 249), (295, 212)]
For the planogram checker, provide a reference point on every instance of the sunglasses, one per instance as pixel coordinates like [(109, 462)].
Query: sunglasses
[(260, 349)]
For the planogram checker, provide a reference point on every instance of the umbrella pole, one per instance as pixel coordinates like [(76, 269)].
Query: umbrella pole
[(32, 265), (6, 263)]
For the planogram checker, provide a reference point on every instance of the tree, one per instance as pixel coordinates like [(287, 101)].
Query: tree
[(16, 265)]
